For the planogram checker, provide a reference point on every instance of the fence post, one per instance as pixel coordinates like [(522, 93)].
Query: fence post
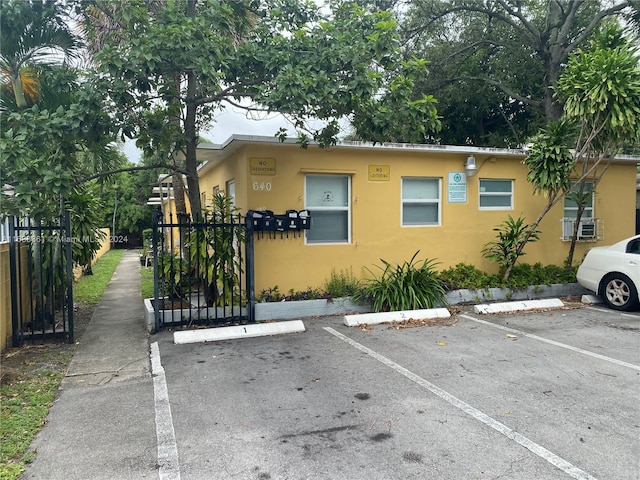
[(13, 273), (249, 256), (154, 247), (67, 237)]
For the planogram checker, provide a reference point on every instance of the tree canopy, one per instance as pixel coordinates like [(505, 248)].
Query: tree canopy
[(168, 66), (48, 148), (495, 64), (32, 33)]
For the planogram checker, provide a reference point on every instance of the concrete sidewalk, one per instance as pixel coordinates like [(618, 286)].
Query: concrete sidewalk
[(103, 424)]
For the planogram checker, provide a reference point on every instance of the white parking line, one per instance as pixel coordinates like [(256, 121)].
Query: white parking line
[(614, 312), (553, 342), (530, 445), (169, 468)]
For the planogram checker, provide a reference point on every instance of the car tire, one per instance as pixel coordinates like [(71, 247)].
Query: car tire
[(618, 292)]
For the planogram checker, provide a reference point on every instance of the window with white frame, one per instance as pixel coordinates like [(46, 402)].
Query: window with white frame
[(231, 191), (587, 229), (495, 194), (420, 201), (327, 197), (571, 201)]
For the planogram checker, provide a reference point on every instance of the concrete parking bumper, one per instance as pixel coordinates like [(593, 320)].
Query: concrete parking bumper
[(518, 306)]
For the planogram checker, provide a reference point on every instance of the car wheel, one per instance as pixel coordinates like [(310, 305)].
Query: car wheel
[(619, 292)]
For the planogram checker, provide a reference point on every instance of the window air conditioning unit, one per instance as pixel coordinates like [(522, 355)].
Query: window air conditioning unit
[(587, 230)]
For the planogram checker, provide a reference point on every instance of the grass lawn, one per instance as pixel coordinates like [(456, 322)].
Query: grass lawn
[(90, 289), (32, 374), (146, 282)]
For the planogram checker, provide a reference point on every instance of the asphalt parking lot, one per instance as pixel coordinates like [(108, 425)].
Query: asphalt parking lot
[(545, 395)]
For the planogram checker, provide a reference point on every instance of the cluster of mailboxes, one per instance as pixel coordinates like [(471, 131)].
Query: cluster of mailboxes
[(292, 220)]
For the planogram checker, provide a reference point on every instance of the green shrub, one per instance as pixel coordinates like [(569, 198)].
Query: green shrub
[(274, 295), (398, 285), (342, 284), (147, 236), (524, 275), (412, 285), (270, 295), (308, 294), (464, 275)]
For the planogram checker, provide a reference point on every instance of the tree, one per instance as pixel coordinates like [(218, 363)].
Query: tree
[(48, 148), (32, 33), (54, 128), (495, 64), (550, 164), (601, 92), (182, 60), (600, 89)]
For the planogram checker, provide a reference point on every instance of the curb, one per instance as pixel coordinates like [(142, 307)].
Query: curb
[(386, 317), (237, 331), (517, 306)]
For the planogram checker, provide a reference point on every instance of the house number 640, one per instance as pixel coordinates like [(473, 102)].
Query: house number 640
[(262, 186)]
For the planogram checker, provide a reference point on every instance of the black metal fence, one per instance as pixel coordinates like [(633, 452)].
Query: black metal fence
[(41, 272), (203, 270)]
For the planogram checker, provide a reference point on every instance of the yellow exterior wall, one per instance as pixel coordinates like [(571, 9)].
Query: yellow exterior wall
[(5, 290), (235, 168), (376, 230)]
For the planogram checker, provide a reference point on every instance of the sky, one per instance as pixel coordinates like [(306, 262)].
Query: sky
[(231, 121)]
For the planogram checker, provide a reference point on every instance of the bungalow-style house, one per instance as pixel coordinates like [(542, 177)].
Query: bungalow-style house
[(366, 202)]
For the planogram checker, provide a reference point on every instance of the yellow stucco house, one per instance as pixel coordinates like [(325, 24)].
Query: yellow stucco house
[(368, 202)]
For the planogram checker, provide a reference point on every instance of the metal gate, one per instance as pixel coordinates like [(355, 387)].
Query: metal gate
[(41, 273), (203, 270)]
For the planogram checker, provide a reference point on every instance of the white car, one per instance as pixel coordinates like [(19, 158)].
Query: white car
[(613, 272)]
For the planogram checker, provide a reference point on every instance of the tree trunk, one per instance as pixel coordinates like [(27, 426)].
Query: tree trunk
[(191, 134), (178, 194), (191, 160), (574, 237), (18, 91), (174, 115), (553, 109)]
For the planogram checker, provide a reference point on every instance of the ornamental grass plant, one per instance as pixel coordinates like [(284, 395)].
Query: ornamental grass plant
[(411, 285)]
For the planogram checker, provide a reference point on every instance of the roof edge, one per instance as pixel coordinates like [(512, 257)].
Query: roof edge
[(238, 140)]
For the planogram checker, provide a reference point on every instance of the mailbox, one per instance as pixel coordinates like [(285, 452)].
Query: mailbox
[(256, 218), (267, 222), (263, 221), (304, 219), (292, 220), (281, 223)]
